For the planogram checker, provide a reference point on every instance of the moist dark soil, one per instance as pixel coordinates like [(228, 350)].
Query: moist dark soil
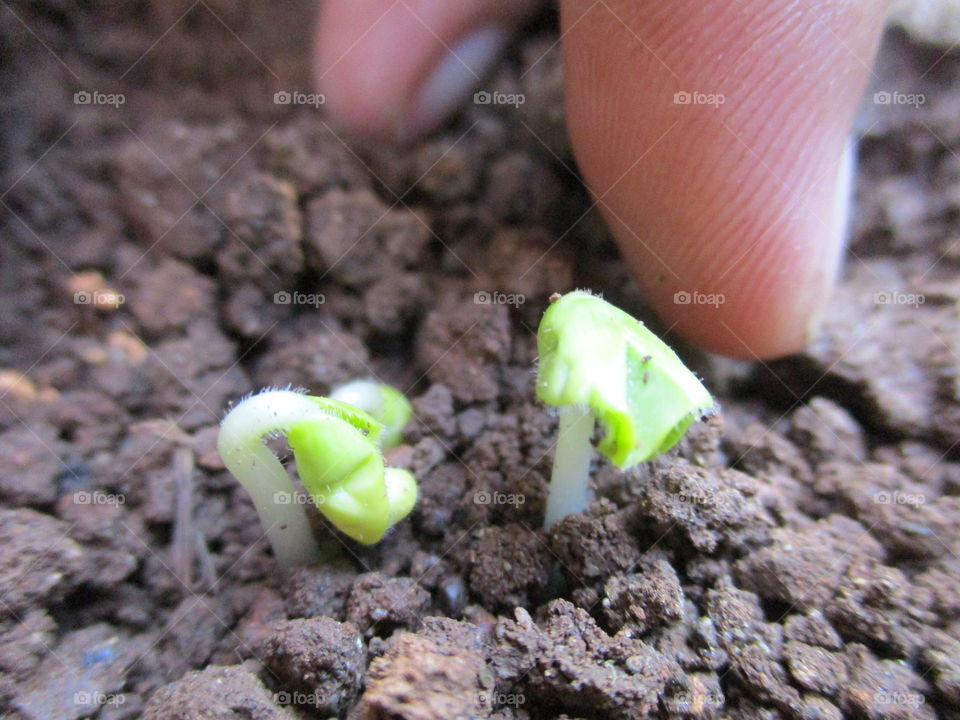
[(796, 556)]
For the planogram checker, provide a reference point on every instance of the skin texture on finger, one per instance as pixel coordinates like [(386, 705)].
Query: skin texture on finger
[(711, 135), (394, 69)]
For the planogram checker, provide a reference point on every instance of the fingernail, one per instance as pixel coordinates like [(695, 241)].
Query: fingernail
[(842, 202), (843, 196), (455, 75)]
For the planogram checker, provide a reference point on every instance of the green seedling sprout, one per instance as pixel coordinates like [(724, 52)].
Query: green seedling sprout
[(336, 447), (599, 363), (388, 405)]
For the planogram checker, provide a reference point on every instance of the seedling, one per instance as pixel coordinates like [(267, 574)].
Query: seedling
[(599, 363), (337, 450), (388, 405)]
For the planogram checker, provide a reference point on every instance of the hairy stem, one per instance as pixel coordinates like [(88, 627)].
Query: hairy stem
[(571, 464), (241, 445)]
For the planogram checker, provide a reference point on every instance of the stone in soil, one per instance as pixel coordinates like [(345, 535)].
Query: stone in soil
[(827, 431), (594, 545), (317, 590), (438, 674), (263, 243), (320, 660), (441, 491), (895, 363), (754, 646), (463, 344), (88, 669), (906, 517), (172, 180), (564, 660), (168, 297), (378, 605), (317, 357), (803, 568), (703, 508), (311, 157), (31, 465), (645, 599), (24, 642), (217, 693), (355, 239), (883, 689), (508, 566), (39, 563)]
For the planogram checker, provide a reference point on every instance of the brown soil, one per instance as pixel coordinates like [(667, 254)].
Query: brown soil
[(796, 557)]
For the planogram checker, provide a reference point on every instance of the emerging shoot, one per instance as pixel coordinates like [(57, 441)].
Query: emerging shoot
[(599, 363), (387, 405), (337, 451)]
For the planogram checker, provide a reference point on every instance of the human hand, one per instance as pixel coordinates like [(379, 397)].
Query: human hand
[(744, 199)]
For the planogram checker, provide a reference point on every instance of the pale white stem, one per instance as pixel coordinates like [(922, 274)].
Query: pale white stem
[(364, 394), (571, 464), (242, 448)]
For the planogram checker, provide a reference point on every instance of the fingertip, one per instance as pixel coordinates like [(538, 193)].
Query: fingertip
[(363, 92), (716, 156), (755, 313), (394, 70)]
